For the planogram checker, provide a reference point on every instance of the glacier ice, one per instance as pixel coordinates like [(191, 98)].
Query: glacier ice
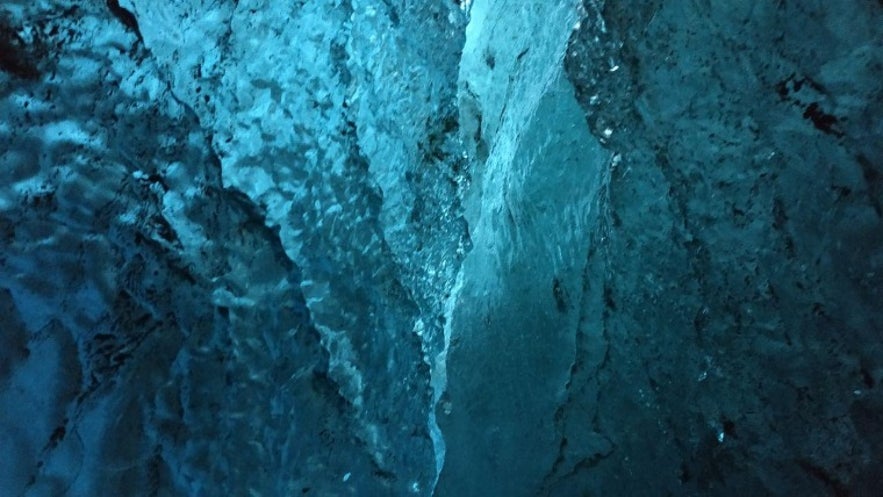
[(451, 248)]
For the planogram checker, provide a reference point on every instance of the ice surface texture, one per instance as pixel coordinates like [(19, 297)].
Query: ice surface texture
[(475, 248)]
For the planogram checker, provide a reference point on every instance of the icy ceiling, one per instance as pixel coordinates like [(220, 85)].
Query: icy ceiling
[(481, 248)]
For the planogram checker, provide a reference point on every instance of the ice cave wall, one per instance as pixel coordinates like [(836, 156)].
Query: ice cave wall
[(739, 257), (727, 329), (462, 249), (229, 228)]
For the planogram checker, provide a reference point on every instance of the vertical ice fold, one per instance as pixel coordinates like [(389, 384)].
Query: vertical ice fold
[(289, 173), (516, 308), (341, 125)]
